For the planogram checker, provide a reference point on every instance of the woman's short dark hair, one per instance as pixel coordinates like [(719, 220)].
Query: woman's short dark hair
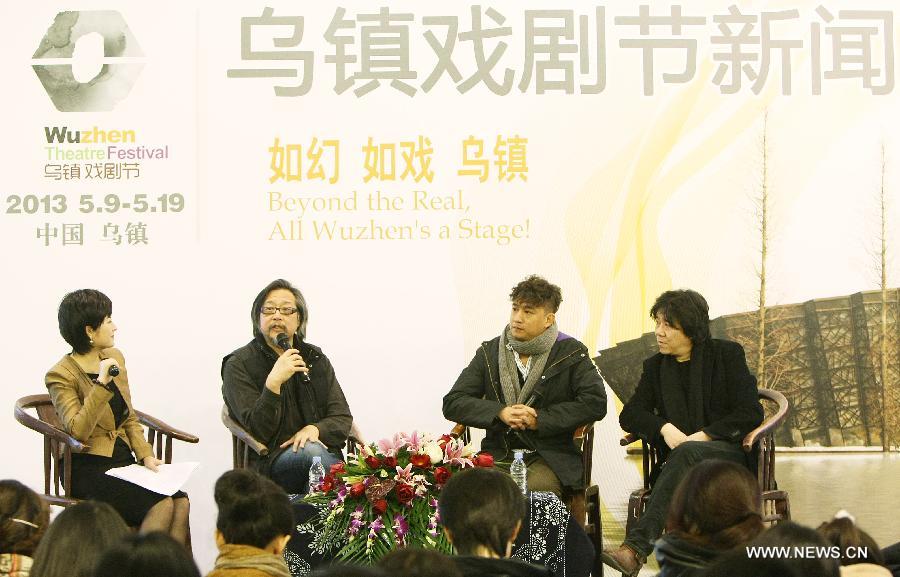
[(790, 534), (147, 555), (418, 562), (253, 510), (80, 309), (481, 506), (20, 509), (536, 291), (260, 299), (844, 533), (716, 505), (686, 309), (77, 539)]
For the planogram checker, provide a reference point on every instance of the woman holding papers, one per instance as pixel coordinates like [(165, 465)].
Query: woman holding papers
[(89, 390)]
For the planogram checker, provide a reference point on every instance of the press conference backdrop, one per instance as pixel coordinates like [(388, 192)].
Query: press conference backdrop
[(406, 164)]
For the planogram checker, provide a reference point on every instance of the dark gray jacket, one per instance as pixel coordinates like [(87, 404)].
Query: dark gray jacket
[(722, 397), (570, 394), (272, 419)]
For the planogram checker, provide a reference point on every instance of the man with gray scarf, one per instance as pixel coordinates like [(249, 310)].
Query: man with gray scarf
[(530, 388)]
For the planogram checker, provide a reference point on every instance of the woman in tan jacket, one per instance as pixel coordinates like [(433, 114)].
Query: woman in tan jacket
[(89, 390)]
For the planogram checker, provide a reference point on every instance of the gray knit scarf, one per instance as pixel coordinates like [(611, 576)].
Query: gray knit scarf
[(538, 348)]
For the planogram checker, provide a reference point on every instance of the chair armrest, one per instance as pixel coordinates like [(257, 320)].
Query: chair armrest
[(628, 438), (47, 429), (583, 430), (165, 429), (242, 435), (769, 424), (458, 431)]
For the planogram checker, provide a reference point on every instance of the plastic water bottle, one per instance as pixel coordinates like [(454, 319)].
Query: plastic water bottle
[(316, 474), (519, 472)]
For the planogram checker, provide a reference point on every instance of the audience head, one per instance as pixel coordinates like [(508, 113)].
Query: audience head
[(856, 545), (253, 511), (147, 555), (683, 309), (481, 510), (23, 518), (418, 562), (77, 311), (736, 564), (717, 505), (77, 539), (349, 570), (279, 293), (788, 534)]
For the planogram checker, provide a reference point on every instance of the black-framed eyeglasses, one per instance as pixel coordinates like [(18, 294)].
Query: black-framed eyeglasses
[(286, 311)]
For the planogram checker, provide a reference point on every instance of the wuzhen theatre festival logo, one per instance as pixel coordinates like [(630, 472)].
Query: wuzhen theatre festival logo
[(88, 61)]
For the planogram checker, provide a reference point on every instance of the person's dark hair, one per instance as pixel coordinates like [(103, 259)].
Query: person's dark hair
[(737, 564), (536, 291), (253, 510), (418, 562), (276, 284), (844, 533), (717, 505), (481, 506), (20, 508), (686, 309), (147, 555), (338, 569), (79, 309), (790, 534), (77, 539)]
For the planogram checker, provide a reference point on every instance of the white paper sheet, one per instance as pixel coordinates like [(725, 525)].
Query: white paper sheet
[(168, 480)]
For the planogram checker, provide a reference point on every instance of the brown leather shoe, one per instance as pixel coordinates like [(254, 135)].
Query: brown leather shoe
[(623, 559)]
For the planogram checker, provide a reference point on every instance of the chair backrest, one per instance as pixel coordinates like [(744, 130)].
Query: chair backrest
[(58, 447), (584, 440)]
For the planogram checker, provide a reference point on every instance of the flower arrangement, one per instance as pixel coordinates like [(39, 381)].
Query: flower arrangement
[(385, 496)]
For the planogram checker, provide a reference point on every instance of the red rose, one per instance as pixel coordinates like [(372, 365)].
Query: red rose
[(405, 493), (328, 483), (422, 461), (483, 460), (379, 506), (357, 489), (337, 469), (390, 462), (373, 462), (441, 475)]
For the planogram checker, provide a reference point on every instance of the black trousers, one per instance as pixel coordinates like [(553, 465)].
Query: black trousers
[(650, 525)]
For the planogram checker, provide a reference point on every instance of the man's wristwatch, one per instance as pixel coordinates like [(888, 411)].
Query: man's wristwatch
[(107, 386)]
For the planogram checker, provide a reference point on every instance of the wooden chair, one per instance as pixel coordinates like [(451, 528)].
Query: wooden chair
[(59, 445), (776, 503), (242, 442), (584, 506)]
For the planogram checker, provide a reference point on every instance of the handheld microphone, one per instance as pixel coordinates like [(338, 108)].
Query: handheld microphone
[(113, 371), (284, 343)]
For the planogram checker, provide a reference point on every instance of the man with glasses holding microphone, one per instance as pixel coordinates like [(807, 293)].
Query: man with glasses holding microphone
[(283, 390)]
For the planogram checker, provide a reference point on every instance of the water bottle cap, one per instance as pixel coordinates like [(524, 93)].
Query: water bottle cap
[(317, 460), (518, 454)]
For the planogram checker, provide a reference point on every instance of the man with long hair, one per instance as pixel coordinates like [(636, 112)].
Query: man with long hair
[(696, 400)]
